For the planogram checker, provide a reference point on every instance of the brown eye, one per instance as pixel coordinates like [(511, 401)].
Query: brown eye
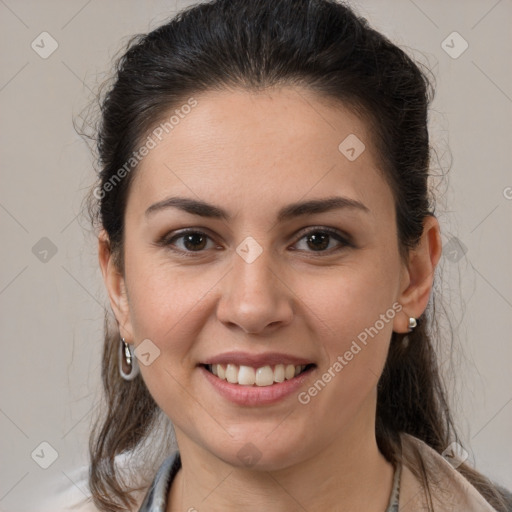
[(323, 240), (318, 241), (189, 242), (194, 241)]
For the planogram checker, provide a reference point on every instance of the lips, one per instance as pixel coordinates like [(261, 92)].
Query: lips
[(246, 395)]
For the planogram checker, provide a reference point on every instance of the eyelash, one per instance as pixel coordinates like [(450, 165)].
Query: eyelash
[(167, 241)]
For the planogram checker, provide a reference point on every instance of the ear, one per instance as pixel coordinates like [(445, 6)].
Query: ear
[(116, 287), (418, 275)]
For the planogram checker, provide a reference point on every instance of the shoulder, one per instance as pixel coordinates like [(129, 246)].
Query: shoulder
[(450, 491)]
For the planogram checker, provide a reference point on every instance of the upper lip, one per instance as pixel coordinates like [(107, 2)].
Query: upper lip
[(256, 360)]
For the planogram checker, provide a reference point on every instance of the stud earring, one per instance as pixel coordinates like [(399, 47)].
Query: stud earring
[(128, 366), (412, 323)]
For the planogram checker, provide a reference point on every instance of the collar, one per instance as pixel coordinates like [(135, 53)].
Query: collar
[(450, 491)]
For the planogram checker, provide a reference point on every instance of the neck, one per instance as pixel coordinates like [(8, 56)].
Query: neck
[(348, 474)]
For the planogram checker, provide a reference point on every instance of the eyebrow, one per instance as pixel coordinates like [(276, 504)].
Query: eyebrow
[(203, 209)]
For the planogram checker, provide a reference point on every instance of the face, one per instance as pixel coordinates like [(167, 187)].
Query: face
[(252, 240)]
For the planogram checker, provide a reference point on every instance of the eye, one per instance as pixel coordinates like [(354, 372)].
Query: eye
[(323, 240), (318, 239), (189, 241)]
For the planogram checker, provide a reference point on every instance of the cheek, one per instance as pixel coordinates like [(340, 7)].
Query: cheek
[(348, 301), (163, 296), (167, 306), (354, 312)]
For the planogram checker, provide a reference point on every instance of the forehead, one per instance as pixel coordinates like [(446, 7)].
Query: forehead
[(285, 142)]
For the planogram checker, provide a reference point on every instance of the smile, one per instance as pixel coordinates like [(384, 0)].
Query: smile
[(262, 376)]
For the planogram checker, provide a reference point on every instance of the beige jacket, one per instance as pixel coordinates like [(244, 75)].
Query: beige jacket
[(450, 491)]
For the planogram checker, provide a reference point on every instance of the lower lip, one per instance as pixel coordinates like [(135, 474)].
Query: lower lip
[(256, 395)]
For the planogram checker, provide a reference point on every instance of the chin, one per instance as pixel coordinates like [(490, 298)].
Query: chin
[(260, 453)]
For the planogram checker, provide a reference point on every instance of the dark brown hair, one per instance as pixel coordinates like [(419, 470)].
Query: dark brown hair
[(253, 45)]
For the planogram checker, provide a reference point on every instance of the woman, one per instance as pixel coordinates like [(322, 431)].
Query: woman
[(269, 248)]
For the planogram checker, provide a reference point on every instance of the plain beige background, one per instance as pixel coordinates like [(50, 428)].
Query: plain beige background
[(51, 302)]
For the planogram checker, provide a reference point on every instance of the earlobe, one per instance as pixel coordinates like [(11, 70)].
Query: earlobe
[(419, 275), (115, 285)]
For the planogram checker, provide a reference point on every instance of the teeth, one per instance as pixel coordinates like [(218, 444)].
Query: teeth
[(246, 376), (279, 373), (263, 376), (232, 373)]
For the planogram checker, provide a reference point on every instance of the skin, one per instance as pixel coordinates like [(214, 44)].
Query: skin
[(252, 154)]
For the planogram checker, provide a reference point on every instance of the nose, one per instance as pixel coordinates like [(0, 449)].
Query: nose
[(254, 297)]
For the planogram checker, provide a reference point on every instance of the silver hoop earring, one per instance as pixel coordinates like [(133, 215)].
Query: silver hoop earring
[(412, 323), (128, 366)]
